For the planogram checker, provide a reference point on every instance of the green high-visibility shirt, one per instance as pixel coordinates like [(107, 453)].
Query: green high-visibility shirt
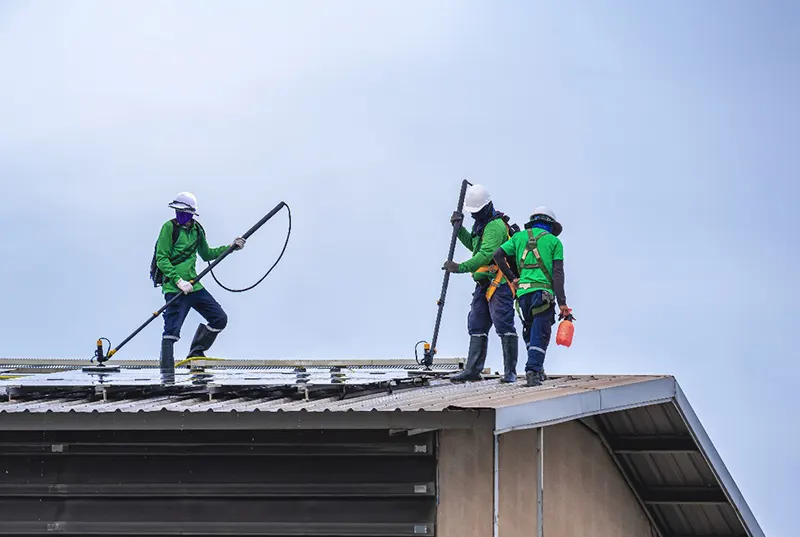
[(550, 249), (482, 248), (187, 241)]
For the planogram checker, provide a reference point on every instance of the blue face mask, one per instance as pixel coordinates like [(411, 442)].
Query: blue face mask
[(183, 217), (544, 225)]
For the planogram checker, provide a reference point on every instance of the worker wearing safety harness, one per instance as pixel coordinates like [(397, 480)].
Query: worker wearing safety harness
[(492, 300), (539, 254), (173, 267)]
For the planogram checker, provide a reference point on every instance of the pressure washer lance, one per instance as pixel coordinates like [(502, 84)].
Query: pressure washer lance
[(430, 348), (99, 353)]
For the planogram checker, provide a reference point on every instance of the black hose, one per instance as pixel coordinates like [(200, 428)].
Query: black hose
[(416, 355), (283, 251)]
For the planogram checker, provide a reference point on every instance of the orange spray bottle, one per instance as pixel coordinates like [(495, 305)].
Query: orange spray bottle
[(565, 331)]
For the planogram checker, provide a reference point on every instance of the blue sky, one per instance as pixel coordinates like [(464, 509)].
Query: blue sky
[(662, 133)]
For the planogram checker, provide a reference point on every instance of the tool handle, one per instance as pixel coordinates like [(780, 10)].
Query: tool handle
[(196, 279), (451, 252)]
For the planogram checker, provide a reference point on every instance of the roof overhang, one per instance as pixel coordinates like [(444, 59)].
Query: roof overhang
[(588, 403), (596, 402)]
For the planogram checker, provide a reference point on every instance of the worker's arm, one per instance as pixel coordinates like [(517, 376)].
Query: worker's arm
[(207, 253), (494, 235), (558, 274), (465, 237), (558, 282), (163, 252), (501, 256)]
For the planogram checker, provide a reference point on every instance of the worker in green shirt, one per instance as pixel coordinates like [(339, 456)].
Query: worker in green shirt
[(492, 299), (179, 242), (539, 255)]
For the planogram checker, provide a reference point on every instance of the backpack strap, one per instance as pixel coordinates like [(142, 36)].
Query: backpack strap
[(185, 254), (155, 273), (176, 231), (533, 247)]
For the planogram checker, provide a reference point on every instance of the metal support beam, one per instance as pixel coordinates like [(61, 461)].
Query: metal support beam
[(496, 494), (276, 529), (540, 482), (233, 362), (683, 495), (165, 420), (218, 490), (654, 444)]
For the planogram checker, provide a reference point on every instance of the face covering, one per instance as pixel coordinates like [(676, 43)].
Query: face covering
[(183, 217), (544, 225), (482, 218)]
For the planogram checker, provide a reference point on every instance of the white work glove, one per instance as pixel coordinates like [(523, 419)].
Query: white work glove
[(238, 243), (185, 286)]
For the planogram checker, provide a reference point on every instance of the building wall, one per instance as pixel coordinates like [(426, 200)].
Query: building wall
[(466, 483), (517, 486), (584, 493)]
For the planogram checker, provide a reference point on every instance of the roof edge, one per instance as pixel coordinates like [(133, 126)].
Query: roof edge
[(714, 462), (591, 402)]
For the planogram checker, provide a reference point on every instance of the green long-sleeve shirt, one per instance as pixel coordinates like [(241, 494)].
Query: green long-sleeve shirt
[(187, 241), (494, 234)]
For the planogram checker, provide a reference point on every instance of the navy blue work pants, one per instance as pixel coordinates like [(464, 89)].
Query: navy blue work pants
[(541, 328), (499, 311), (202, 302)]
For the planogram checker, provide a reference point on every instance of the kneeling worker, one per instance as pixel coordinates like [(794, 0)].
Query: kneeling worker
[(492, 300), (179, 242), (539, 254)]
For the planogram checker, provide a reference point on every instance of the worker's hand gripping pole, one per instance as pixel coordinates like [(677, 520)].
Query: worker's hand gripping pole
[(430, 349), (99, 352)]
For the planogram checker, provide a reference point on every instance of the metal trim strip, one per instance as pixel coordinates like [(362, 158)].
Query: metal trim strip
[(714, 461)]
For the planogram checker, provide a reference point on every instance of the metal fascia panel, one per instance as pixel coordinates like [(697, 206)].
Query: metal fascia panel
[(580, 405)]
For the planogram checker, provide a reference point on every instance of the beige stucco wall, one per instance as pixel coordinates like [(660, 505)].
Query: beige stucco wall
[(584, 493), (518, 465), (466, 483)]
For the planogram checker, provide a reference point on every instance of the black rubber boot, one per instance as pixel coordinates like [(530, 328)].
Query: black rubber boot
[(167, 360), (510, 355), (532, 379), (476, 358), (202, 341), (535, 378)]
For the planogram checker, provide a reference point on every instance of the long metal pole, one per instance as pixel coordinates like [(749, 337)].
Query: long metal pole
[(196, 279), (428, 357)]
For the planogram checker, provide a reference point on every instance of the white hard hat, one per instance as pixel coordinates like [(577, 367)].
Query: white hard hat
[(476, 199), (185, 202), (546, 214)]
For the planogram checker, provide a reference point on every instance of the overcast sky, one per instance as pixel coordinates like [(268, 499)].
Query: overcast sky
[(663, 134)]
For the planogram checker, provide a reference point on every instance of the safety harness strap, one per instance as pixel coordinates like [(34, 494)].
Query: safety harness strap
[(533, 247), (494, 269), (547, 295), (537, 285), (548, 299)]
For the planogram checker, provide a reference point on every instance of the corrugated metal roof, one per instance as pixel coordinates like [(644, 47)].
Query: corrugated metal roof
[(439, 395), (687, 490)]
